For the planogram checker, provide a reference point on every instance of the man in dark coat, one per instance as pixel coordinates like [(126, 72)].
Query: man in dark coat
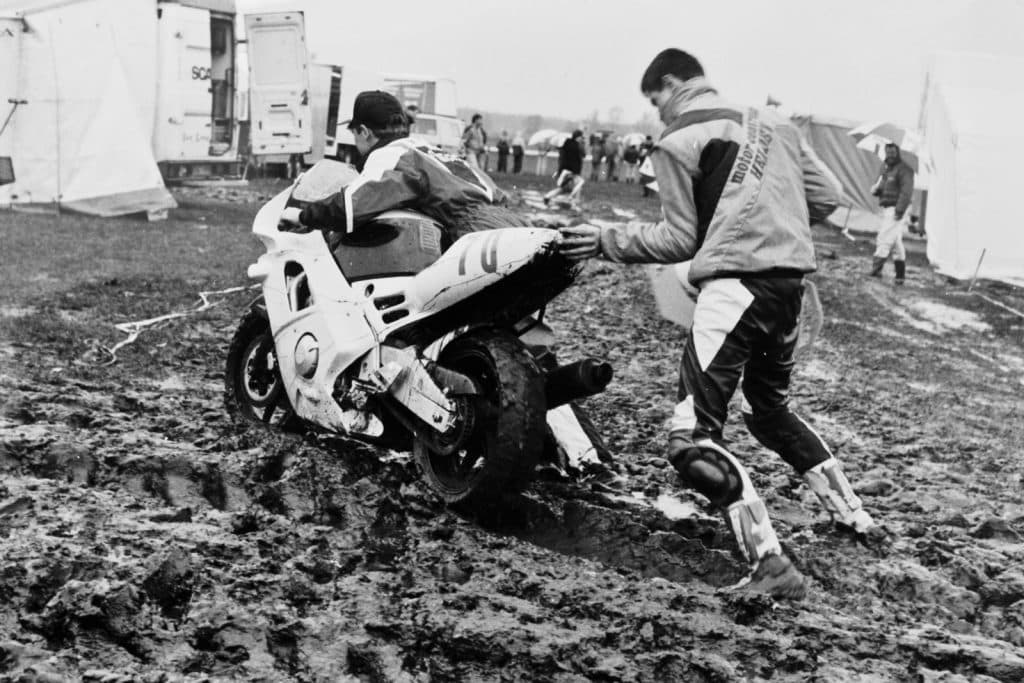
[(894, 189)]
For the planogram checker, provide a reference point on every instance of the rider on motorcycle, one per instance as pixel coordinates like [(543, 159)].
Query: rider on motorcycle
[(396, 172)]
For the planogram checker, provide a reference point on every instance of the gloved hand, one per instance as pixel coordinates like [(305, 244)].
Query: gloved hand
[(290, 220)]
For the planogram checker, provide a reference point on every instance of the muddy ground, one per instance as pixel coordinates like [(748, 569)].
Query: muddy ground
[(143, 536)]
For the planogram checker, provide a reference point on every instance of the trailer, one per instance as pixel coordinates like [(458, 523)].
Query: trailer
[(208, 120)]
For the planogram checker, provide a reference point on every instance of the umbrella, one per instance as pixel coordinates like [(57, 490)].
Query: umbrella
[(633, 139), (547, 136), (887, 131), (873, 136), (912, 154)]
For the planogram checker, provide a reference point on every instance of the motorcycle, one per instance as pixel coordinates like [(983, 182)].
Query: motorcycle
[(381, 335)]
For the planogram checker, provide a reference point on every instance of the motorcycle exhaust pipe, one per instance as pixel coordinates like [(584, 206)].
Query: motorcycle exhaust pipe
[(576, 380)]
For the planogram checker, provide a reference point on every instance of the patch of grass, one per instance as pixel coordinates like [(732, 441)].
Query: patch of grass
[(202, 243)]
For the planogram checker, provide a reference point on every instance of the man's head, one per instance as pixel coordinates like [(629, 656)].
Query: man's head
[(478, 120), (377, 116), (667, 71), (577, 134), (892, 152)]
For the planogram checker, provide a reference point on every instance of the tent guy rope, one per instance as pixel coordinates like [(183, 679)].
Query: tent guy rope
[(134, 329)]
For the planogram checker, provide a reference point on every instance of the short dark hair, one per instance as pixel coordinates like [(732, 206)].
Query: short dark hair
[(476, 117), (670, 62), (577, 134)]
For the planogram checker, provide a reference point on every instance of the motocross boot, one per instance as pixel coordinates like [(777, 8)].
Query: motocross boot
[(771, 571), (833, 489), (901, 271), (876, 266), (776, 576)]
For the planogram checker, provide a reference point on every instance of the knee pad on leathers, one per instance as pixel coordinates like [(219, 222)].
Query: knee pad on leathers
[(710, 473)]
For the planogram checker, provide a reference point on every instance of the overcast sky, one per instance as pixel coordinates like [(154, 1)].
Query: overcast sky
[(860, 60)]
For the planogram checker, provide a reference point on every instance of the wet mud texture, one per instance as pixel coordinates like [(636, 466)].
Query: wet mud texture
[(143, 536)]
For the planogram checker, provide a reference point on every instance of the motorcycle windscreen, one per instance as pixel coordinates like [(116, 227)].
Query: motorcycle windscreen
[(279, 111), (324, 178)]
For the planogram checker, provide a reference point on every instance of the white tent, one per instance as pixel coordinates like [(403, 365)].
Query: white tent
[(971, 119), (82, 138)]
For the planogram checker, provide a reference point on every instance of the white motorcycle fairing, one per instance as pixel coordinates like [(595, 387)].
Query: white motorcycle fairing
[(338, 342)]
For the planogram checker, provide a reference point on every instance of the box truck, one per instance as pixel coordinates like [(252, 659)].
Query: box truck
[(205, 122)]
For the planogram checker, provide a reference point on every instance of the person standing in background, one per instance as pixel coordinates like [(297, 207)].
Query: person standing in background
[(518, 150), (612, 156), (596, 154), (503, 149), (894, 189), (473, 141)]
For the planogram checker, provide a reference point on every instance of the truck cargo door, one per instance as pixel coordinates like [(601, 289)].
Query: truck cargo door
[(278, 83)]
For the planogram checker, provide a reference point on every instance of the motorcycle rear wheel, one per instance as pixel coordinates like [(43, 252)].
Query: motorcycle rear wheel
[(498, 455), (253, 389)]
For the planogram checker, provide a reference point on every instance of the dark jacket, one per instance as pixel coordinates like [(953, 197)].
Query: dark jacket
[(570, 157), (895, 186), (402, 174)]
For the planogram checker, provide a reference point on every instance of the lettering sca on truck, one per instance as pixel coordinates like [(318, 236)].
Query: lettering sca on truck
[(200, 73)]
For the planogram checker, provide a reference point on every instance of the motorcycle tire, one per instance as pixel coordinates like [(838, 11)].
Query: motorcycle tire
[(497, 458), (253, 388)]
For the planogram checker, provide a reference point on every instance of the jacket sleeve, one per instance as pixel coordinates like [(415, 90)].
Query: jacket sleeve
[(671, 240), (906, 191), (821, 187), (389, 180)]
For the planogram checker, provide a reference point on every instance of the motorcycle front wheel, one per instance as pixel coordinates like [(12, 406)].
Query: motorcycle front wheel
[(501, 434), (253, 389)]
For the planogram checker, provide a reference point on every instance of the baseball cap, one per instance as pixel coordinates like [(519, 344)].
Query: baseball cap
[(377, 110)]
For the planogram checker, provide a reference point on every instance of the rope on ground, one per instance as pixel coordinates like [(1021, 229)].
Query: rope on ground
[(135, 328)]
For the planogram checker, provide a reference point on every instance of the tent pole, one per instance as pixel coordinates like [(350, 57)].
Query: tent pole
[(56, 109), (976, 269)]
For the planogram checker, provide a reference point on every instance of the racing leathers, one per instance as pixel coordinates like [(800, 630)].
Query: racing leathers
[(403, 174), (739, 187)]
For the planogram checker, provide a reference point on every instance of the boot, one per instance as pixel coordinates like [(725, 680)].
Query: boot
[(901, 271), (776, 576), (833, 489), (876, 266), (771, 571)]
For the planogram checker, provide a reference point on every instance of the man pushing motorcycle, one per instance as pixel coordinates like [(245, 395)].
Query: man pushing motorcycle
[(738, 188)]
